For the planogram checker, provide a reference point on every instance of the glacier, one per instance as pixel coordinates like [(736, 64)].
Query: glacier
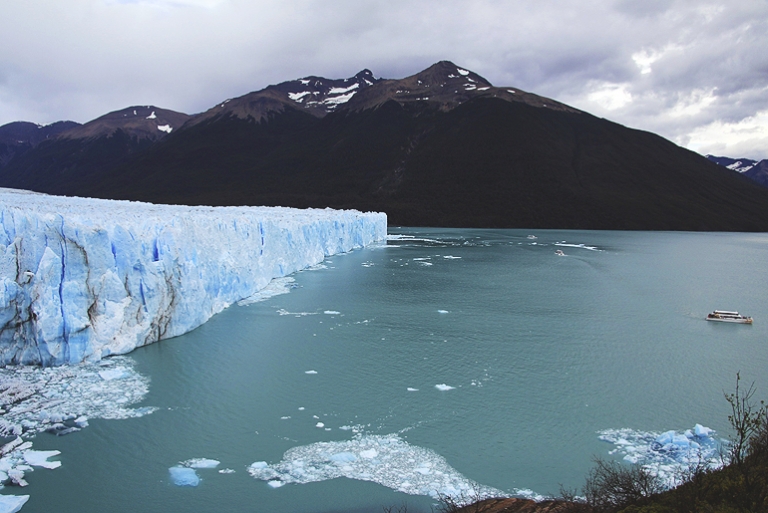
[(82, 279)]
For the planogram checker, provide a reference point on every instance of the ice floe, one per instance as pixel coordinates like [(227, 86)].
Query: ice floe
[(184, 476), (384, 459), (12, 503), (444, 388), (667, 454), (60, 400), (185, 473)]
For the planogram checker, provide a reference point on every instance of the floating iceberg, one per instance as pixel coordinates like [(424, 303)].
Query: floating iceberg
[(184, 476), (668, 454), (387, 460), (12, 503), (81, 279)]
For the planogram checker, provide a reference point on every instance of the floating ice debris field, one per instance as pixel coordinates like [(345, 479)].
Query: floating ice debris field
[(274, 288), (81, 279), (582, 246), (669, 453), (387, 460), (61, 400)]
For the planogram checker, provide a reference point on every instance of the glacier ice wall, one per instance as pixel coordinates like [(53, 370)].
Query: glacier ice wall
[(81, 279)]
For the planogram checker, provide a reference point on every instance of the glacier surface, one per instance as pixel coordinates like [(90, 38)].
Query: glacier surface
[(82, 279)]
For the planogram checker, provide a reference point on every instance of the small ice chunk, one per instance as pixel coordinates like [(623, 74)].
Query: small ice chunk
[(184, 476), (116, 373), (12, 503), (320, 425), (201, 463), (443, 387), (702, 431), (343, 457), (332, 312), (226, 471), (258, 465), (310, 372), (275, 483), (369, 453), (40, 458), (442, 311), (665, 438), (412, 389)]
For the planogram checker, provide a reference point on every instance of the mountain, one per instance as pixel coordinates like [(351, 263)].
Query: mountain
[(79, 154), (147, 122), (20, 136), (316, 96), (443, 147), (757, 171)]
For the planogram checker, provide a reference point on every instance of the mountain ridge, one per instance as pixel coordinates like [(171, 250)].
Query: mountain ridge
[(756, 170), (442, 147)]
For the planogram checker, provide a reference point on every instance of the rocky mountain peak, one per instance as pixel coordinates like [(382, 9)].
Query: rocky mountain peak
[(142, 122)]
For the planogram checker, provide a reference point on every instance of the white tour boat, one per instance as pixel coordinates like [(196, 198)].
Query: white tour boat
[(726, 316)]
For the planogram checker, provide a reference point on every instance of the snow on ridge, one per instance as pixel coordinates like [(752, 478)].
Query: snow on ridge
[(81, 278), (343, 90), (740, 166), (151, 116), (337, 100), (165, 128), (298, 97)]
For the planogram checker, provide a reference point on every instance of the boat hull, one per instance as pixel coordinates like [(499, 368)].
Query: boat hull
[(748, 320)]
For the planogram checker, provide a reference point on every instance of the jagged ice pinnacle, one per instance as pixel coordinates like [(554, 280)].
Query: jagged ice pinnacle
[(81, 279)]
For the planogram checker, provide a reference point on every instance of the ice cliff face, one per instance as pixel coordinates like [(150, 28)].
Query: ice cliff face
[(81, 279)]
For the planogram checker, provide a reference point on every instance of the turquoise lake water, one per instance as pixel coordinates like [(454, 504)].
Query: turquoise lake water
[(440, 358)]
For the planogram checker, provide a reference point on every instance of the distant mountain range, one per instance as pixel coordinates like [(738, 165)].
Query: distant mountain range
[(443, 147), (756, 170)]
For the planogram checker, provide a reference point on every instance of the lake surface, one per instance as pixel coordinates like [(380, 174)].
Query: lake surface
[(443, 357)]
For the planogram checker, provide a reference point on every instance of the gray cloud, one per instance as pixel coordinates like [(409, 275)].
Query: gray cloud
[(682, 68)]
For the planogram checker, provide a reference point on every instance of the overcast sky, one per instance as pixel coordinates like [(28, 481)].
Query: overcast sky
[(693, 71)]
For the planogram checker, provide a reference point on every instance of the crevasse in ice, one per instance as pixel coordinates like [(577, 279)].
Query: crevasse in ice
[(81, 279)]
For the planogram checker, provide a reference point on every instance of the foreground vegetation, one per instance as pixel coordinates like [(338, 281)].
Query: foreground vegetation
[(740, 485)]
